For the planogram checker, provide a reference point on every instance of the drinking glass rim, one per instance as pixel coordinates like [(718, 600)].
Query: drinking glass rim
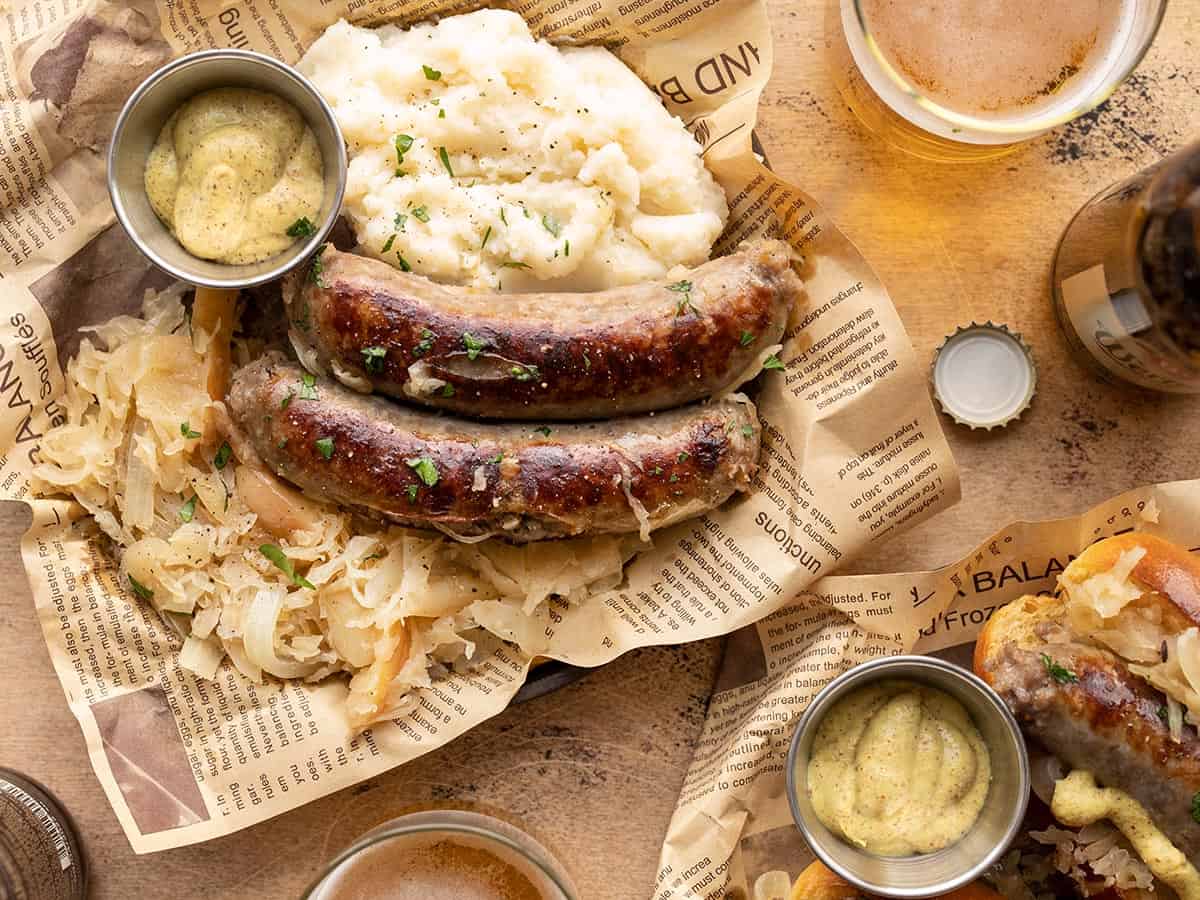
[(401, 828), (1037, 124)]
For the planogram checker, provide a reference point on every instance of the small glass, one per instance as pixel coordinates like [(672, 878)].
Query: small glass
[(447, 853), (890, 103)]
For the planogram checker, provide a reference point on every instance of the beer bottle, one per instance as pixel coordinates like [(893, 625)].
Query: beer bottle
[(1126, 278)]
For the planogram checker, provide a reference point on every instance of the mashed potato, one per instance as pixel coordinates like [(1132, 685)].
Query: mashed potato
[(481, 156)]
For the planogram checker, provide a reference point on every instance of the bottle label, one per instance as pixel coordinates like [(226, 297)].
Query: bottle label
[(1116, 329)]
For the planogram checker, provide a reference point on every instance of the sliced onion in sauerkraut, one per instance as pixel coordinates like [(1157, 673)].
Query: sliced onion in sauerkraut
[(201, 656), (258, 636), (388, 605), (1175, 719)]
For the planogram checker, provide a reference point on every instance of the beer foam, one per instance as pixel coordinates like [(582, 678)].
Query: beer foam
[(996, 58), (444, 870)]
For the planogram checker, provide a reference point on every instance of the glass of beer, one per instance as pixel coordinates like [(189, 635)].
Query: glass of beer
[(961, 80), (444, 855)]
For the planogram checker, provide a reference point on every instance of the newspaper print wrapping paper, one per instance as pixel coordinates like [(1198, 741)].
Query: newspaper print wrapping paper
[(733, 825), (853, 450)]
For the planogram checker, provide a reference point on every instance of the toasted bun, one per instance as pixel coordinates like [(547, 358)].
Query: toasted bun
[(1133, 595), (818, 883), (1015, 624), (1166, 569)]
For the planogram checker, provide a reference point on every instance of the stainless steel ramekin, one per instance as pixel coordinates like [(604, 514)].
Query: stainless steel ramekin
[(141, 120), (929, 874)]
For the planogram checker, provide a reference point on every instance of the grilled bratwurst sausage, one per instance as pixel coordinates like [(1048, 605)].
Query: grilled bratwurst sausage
[(1086, 707), (472, 479), (542, 356)]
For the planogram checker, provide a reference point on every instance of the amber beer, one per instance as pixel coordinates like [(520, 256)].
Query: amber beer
[(1126, 278), (971, 79), (444, 855)]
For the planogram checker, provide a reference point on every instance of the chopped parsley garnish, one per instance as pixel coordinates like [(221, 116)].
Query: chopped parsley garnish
[(1196, 807), (316, 267), (657, 470), (1061, 674), (487, 234), (425, 468), (503, 218), (683, 456), (543, 430), (587, 363), (412, 490), (674, 478), (525, 210), (324, 447), (308, 386), (473, 344), (284, 565), (426, 342), (282, 443), (513, 264), (685, 288), (773, 362), (186, 430), (524, 373), (286, 401), (399, 221), (551, 224), (747, 431), (403, 143), (431, 73), (445, 157), (566, 248), (404, 266), (188, 510), (746, 339), (447, 390), (223, 454), (421, 213), (373, 358), (140, 589), (441, 114), (497, 458), (388, 243), (1162, 713), (301, 228)]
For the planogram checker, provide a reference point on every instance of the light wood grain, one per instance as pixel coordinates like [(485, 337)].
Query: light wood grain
[(594, 769)]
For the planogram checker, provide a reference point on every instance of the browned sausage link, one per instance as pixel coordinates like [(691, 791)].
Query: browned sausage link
[(1108, 722), (543, 356), (471, 478)]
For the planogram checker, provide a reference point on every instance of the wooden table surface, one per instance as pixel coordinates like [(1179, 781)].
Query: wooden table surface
[(595, 768)]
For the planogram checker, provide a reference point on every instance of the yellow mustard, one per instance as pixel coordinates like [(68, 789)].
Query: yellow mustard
[(898, 768), (1079, 801), (236, 174)]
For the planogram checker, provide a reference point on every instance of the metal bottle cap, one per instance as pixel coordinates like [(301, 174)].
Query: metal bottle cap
[(984, 375)]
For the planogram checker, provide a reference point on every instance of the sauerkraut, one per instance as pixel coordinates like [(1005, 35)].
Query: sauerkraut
[(1120, 613), (263, 578), (1090, 860)]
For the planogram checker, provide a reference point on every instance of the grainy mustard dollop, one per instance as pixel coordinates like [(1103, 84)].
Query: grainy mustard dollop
[(234, 170), (898, 768)]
